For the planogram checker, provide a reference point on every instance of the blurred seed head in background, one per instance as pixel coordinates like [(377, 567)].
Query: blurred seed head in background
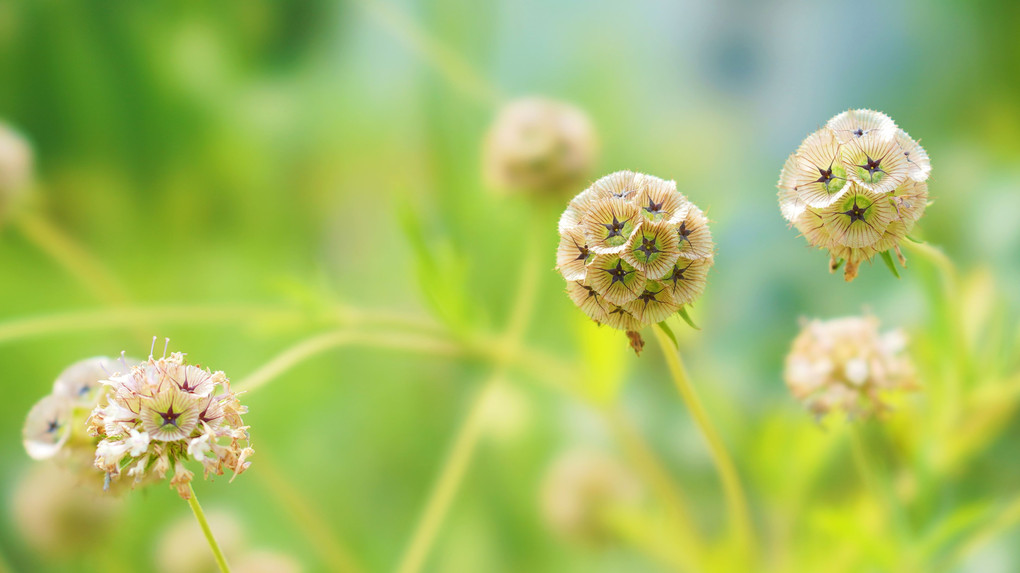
[(846, 364), (182, 548), (855, 187), (633, 250), (60, 513), (580, 490), (539, 145)]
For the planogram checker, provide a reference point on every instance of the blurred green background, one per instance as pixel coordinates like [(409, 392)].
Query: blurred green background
[(252, 174)]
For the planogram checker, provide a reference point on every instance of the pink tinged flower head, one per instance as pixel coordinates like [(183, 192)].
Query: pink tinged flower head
[(847, 364), (633, 250), (164, 413), (855, 188)]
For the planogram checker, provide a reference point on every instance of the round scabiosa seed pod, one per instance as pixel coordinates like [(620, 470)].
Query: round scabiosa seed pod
[(855, 188), (163, 413), (847, 364), (539, 145), (633, 250), (15, 168), (581, 489)]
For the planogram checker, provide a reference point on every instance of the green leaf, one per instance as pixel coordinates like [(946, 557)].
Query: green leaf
[(889, 263), (687, 318), (915, 240), (669, 332)]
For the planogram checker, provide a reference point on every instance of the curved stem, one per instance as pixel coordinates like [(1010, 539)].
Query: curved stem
[(316, 529), (470, 433), (447, 62), (321, 343), (74, 258), (196, 508), (127, 317), (736, 501), (686, 539), (450, 477)]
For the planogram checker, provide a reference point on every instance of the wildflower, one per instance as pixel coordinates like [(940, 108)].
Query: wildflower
[(633, 250), (15, 168), (847, 364), (165, 412), (856, 188), (579, 492), (537, 144)]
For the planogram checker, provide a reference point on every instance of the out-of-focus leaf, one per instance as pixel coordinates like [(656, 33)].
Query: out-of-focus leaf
[(889, 263), (687, 318)]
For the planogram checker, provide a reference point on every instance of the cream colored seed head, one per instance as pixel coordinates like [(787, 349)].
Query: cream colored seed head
[(580, 490), (539, 145), (847, 364), (163, 413), (855, 187), (633, 250)]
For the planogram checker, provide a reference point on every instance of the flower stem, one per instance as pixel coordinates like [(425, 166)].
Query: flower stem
[(74, 258), (334, 554), (470, 432), (321, 343), (454, 468), (450, 65), (196, 508), (736, 501)]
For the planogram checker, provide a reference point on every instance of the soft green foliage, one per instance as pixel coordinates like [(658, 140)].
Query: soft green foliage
[(245, 177)]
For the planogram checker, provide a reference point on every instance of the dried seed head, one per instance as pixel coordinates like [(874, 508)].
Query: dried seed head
[(856, 187), (579, 492), (847, 364), (164, 412), (536, 144), (633, 250), (58, 513), (15, 168)]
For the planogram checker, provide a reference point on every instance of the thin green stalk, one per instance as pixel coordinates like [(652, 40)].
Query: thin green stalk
[(304, 515), (736, 501), (450, 478), (196, 508), (74, 258), (468, 436), (200, 314), (686, 540), (881, 491), (318, 344), (447, 62), (950, 308)]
